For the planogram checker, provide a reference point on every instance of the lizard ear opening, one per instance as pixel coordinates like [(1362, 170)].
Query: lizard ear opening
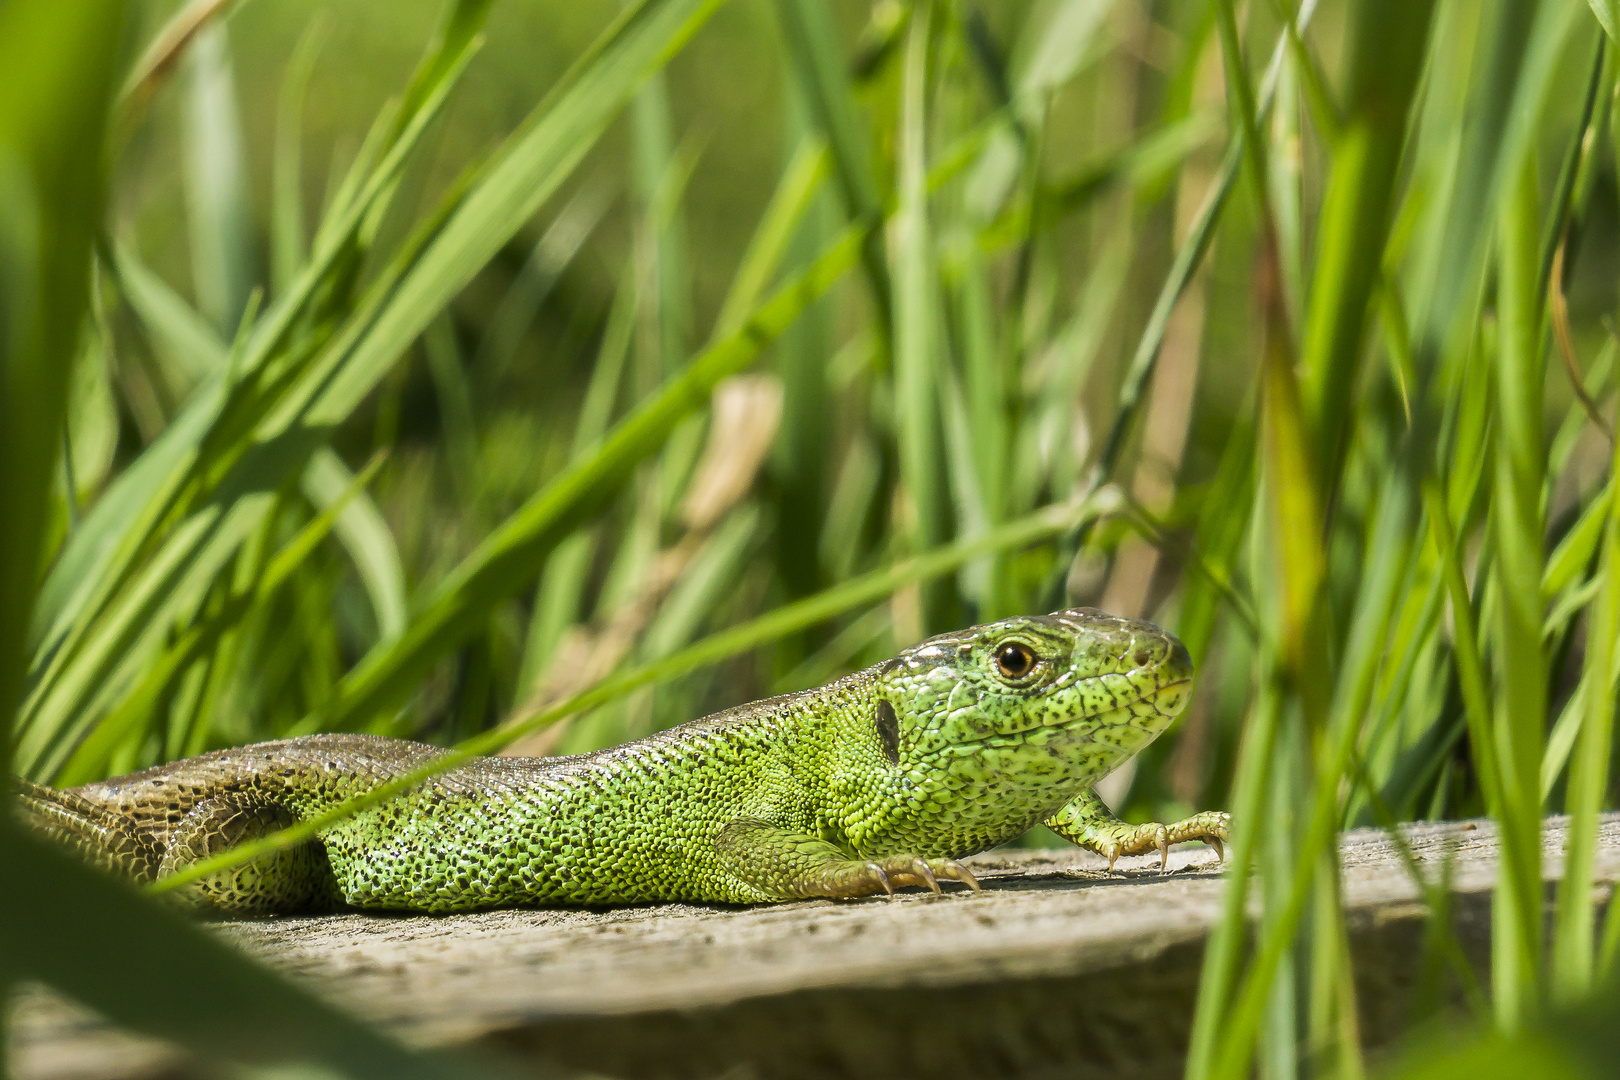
[(888, 730)]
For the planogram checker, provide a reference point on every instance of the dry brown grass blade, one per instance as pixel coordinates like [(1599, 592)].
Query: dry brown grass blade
[(1558, 308), (163, 55)]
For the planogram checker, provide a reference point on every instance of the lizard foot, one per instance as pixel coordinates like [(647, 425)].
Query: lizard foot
[(1111, 841), (1088, 822), (847, 880), (783, 864)]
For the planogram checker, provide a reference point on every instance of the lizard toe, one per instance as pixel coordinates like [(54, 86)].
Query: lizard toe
[(913, 871), (878, 878), (950, 868)]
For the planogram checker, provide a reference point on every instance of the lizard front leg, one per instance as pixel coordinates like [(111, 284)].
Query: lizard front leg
[(792, 865), (1088, 822)]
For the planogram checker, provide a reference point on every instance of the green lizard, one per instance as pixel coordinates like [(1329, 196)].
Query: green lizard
[(880, 779)]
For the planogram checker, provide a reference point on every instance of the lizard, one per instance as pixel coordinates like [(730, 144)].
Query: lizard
[(882, 779)]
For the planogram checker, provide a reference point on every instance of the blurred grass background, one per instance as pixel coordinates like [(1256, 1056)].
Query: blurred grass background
[(449, 368)]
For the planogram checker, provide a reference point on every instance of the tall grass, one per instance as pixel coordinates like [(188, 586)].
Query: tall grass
[(1290, 333)]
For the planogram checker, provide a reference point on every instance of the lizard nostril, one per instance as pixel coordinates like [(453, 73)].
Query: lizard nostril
[(1143, 657)]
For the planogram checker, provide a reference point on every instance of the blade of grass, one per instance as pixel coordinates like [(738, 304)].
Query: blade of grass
[(1573, 952), (800, 181), (916, 390), (800, 467), (1356, 216), (1521, 706), (55, 87), (453, 392), (1519, 54), (216, 188), (552, 254), (361, 528), (64, 919), (177, 332), (823, 80), (287, 243)]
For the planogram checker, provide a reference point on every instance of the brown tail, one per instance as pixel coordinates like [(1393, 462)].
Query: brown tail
[(101, 837)]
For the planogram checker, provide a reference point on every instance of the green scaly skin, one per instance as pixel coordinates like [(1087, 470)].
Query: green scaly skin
[(881, 779)]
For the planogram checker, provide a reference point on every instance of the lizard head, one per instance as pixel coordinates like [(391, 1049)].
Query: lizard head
[(1003, 723)]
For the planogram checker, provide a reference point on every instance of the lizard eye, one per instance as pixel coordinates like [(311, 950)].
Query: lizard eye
[(1015, 660)]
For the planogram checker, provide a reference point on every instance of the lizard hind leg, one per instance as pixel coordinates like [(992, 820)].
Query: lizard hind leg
[(296, 879), (789, 865)]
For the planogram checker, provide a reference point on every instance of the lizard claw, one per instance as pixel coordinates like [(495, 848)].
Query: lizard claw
[(877, 874), (950, 868), (917, 872)]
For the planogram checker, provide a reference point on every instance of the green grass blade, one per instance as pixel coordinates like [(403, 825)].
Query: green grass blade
[(1608, 16), (176, 330), (180, 983), (552, 255), (56, 83), (800, 181), (916, 352), (453, 390), (217, 202), (1518, 56), (1521, 704), (1471, 673), (800, 465), (1055, 51), (1573, 947), (712, 573), (820, 70), (365, 535), (1356, 215), (287, 241)]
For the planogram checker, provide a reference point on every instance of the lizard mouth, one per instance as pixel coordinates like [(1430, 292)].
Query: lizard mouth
[(1168, 699)]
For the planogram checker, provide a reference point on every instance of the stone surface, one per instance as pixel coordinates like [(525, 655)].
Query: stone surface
[(1058, 968)]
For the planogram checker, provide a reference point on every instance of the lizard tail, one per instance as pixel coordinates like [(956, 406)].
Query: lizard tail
[(99, 836)]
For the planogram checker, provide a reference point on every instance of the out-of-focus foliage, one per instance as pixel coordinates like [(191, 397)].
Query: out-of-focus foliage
[(422, 394)]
